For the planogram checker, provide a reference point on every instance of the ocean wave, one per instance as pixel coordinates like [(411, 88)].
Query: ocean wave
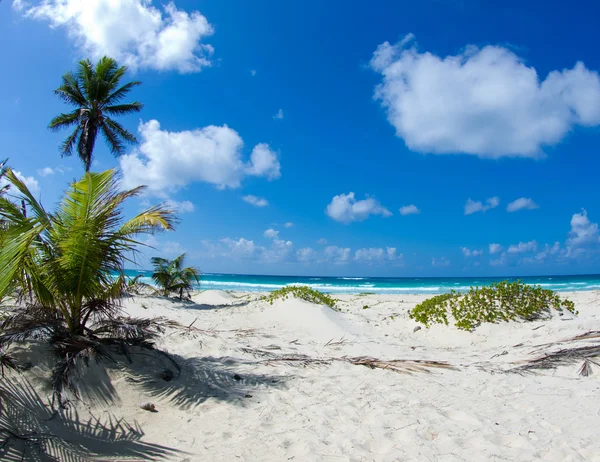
[(352, 279)]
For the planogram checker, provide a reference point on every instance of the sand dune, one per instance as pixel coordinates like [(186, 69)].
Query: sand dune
[(235, 399)]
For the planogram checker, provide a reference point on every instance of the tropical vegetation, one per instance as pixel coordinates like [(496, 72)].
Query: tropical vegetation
[(96, 93), (58, 271), (502, 301), (304, 293), (172, 276)]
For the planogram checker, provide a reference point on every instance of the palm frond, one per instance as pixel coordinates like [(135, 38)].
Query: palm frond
[(120, 131), (64, 120), (123, 109), (120, 93), (112, 140)]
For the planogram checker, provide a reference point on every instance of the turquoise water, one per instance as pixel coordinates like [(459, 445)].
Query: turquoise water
[(250, 283)]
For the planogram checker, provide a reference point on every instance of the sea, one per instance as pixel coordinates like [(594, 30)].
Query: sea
[(378, 285)]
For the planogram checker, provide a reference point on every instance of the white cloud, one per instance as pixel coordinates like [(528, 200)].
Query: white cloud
[(253, 72), (483, 101), (522, 203), (271, 234), (322, 241), (548, 251), (279, 115), (345, 208), (264, 162), (280, 250), (440, 262), (583, 235), (473, 207), (306, 254), (409, 210), (471, 253), (239, 248), (168, 161), (180, 207), (134, 32), (377, 254), (30, 182), (46, 171), (172, 249), (256, 201), (523, 247), (337, 254), (289, 224), (495, 248)]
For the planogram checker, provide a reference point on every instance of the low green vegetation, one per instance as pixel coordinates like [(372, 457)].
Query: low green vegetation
[(304, 293), (502, 301)]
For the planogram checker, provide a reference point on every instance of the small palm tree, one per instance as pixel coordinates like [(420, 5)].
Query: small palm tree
[(171, 276), (63, 265), (96, 94)]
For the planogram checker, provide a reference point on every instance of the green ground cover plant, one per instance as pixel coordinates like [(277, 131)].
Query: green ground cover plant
[(502, 301)]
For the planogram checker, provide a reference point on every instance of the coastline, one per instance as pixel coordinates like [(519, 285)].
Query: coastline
[(285, 382), (381, 285)]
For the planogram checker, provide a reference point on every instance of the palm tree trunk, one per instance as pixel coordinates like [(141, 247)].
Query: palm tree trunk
[(90, 132), (181, 293)]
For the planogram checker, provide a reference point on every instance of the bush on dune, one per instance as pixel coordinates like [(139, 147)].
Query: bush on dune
[(304, 293), (60, 265), (502, 301)]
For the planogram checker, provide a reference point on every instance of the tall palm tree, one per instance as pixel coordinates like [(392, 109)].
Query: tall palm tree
[(96, 94), (172, 276), (64, 265)]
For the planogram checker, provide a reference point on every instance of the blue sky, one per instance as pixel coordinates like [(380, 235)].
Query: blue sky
[(291, 134)]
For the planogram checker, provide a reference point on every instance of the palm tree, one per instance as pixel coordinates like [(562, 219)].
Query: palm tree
[(67, 267), (171, 276), (96, 94)]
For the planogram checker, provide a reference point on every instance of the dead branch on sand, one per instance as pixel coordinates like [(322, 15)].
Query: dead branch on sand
[(402, 366)]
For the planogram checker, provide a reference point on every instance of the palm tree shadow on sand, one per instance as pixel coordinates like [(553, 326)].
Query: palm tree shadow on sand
[(199, 379), (31, 430)]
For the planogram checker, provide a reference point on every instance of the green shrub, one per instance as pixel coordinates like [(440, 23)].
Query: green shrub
[(502, 301), (303, 292)]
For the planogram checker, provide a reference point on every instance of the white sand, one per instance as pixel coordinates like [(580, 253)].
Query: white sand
[(345, 412)]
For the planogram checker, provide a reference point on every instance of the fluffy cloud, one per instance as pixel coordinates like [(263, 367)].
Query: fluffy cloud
[(180, 207), (279, 115), (523, 247), (473, 207), (271, 234), (522, 203), (264, 162), (409, 210), (239, 248), (172, 249), (583, 235), (47, 171), (495, 248), (168, 161), (256, 201), (377, 254), (322, 241), (440, 262), (30, 182), (337, 254), (471, 253), (306, 254), (289, 224), (346, 209), (134, 32), (483, 101)]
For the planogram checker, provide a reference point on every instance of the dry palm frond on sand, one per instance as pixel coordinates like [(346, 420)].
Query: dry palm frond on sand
[(403, 366)]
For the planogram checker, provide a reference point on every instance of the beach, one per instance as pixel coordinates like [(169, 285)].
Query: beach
[(288, 381)]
